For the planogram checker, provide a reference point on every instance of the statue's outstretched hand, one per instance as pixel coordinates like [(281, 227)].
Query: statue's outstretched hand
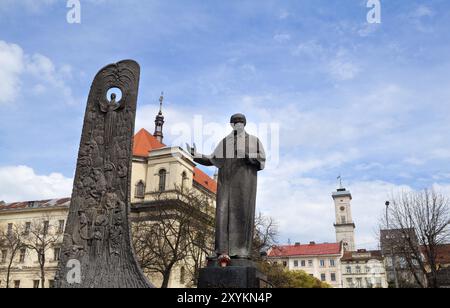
[(192, 150)]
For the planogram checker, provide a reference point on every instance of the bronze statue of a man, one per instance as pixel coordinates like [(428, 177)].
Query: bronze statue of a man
[(238, 157)]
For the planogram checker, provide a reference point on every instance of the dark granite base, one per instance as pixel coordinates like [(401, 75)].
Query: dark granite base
[(231, 277)]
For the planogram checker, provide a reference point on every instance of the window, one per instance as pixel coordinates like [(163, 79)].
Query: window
[(310, 263), (27, 228), (10, 229), (23, 251), (343, 220), (16, 284), (56, 254), (61, 226), (332, 263), (322, 263), (323, 277), (4, 255), (36, 284), (359, 282), (303, 263), (369, 283), (284, 263), (46, 225), (350, 282), (182, 275), (184, 179), (51, 284), (333, 277), (295, 263), (367, 269), (348, 269), (162, 180), (140, 190), (358, 269)]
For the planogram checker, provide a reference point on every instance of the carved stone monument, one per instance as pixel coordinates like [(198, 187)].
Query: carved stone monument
[(239, 157), (97, 251)]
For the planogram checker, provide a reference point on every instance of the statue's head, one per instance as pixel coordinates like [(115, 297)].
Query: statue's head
[(238, 122), (113, 97)]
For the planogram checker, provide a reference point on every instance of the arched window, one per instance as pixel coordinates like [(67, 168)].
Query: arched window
[(162, 180), (140, 190), (184, 180)]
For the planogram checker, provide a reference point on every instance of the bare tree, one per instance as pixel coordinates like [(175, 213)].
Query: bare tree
[(41, 238), (265, 235), (11, 241), (177, 230), (422, 220)]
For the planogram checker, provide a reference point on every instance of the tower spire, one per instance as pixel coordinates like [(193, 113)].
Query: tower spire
[(161, 100), (159, 121)]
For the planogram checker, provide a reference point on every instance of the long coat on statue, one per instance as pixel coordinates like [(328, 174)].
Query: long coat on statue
[(238, 157)]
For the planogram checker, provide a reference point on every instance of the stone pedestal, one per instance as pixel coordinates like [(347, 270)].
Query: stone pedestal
[(240, 274)]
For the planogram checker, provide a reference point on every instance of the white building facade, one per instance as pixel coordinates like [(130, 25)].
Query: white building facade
[(363, 269), (321, 261)]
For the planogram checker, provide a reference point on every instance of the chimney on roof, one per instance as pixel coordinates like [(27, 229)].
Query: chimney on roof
[(159, 121), (312, 243)]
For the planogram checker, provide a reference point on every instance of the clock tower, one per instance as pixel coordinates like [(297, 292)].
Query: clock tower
[(345, 227)]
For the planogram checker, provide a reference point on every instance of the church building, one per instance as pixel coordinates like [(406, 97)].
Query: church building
[(157, 169)]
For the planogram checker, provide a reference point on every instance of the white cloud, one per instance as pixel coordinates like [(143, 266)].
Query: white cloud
[(423, 11), (310, 49), (28, 5), (282, 37), (343, 69), (21, 183), (11, 67), (15, 64), (420, 17), (283, 14), (304, 207)]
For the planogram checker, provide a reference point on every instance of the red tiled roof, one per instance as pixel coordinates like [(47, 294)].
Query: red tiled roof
[(442, 254), (144, 143), (306, 250), (204, 180), (362, 255), (64, 202)]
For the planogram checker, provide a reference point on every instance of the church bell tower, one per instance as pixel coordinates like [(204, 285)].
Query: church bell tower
[(159, 121), (345, 227)]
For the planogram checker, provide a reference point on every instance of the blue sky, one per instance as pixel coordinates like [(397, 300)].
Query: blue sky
[(369, 102)]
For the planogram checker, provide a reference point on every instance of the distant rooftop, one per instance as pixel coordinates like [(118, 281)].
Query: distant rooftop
[(362, 255), (311, 249), (52, 203)]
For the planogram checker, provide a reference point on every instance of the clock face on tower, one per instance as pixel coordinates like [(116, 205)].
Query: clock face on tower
[(342, 208)]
